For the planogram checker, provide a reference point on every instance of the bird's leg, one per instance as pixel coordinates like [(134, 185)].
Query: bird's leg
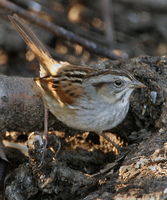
[(45, 133), (113, 143)]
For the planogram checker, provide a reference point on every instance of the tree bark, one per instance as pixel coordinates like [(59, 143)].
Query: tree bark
[(21, 107)]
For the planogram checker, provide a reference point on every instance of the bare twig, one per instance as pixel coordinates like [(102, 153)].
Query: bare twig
[(85, 33), (59, 31), (107, 13)]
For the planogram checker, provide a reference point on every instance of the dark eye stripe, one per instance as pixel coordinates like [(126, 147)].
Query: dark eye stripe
[(99, 85)]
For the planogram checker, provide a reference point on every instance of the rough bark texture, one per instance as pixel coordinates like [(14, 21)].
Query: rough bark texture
[(21, 108)]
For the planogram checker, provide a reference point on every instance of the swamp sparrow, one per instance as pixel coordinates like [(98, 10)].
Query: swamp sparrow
[(81, 97)]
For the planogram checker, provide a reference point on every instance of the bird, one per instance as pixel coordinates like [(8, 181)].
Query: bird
[(81, 97)]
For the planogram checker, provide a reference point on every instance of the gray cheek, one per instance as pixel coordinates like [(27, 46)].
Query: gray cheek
[(123, 95)]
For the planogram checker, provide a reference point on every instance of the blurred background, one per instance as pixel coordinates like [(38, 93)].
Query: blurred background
[(134, 27)]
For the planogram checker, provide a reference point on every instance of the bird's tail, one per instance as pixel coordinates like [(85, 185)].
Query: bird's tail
[(36, 46)]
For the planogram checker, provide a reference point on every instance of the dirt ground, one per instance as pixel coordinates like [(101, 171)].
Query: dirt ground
[(83, 165)]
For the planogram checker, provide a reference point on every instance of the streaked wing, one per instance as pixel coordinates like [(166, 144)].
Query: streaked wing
[(66, 85)]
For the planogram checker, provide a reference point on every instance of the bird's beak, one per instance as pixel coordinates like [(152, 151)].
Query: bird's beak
[(136, 84)]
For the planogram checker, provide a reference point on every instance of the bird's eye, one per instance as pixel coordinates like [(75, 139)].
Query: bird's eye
[(118, 83)]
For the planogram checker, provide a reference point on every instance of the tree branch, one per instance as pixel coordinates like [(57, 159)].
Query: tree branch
[(60, 31)]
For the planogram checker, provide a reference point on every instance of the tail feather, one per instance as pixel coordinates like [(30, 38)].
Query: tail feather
[(41, 53)]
